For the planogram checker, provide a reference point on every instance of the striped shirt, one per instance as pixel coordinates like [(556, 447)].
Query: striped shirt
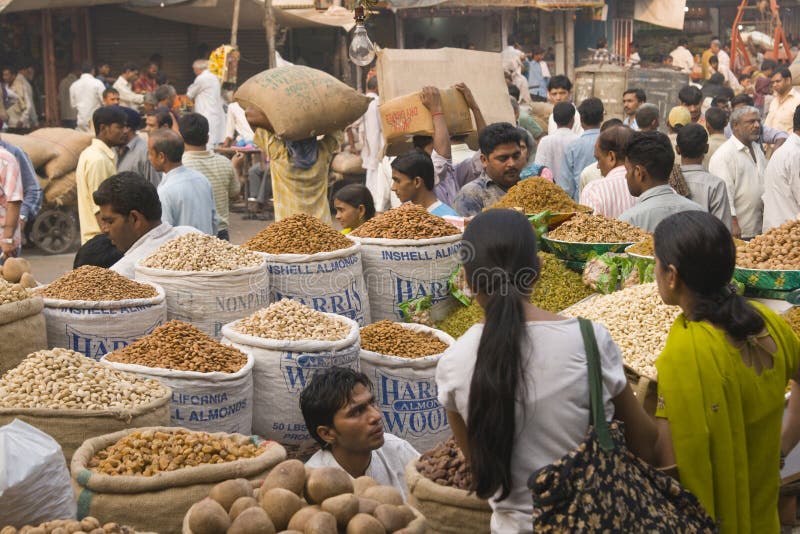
[(10, 187), (220, 174), (297, 190), (609, 196)]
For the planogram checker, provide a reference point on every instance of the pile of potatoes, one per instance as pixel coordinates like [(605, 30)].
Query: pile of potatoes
[(296, 500), (18, 271)]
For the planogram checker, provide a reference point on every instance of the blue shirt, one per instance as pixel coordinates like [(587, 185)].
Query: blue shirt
[(31, 191), (441, 209), (578, 155), (537, 83), (187, 200), (476, 195)]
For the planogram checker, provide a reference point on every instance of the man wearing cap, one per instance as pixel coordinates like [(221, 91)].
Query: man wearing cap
[(740, 163), (132, 156), (678, 117)]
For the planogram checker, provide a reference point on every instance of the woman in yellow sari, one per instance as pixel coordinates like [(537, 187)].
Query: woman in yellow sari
[(721, 379)]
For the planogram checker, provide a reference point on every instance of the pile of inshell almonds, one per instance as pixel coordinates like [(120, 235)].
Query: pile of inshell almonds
[(585, 228), (12, 292), (408, 221), (96, 284), (289, 320), (445, 464), (535, 195), (86, 525), (182, 347), (148, 452), (298, 234), (638, 321), (392, 339), (201, 252), (778, 249), (64, 379)]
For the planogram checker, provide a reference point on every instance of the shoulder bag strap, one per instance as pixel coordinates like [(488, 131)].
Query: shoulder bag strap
[(598, 415)]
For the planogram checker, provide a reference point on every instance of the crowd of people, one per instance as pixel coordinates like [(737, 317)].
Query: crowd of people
[(729, 166)]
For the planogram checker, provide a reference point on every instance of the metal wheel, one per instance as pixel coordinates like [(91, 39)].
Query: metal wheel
[(55, 231)]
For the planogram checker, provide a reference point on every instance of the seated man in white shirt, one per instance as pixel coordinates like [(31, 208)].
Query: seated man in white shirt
[(130, 215), (340, 413)]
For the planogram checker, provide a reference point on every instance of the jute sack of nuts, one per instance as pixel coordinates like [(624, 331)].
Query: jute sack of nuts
[(68, 145), (156, 503), (39, 152), (207, 299), (210, 402), (70, 428), (330, 282), (95, 328), (301, 102), (406, 393), (281, 371), (22, 329), (398, 270), (447, 510)]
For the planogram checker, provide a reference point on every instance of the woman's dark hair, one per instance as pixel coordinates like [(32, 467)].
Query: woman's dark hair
[(416, 163), (357, 195), (500, 261), (328, 392), (702, 250), (615, 139)]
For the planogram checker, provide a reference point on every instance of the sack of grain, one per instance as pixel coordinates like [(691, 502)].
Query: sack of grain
[(205, 401), (68, 144), (405, 386), (38, 150), (73, 398), (408, 253), (447, 510), (62, 191), (330, 282), (284, 367), (208, 299), (301, 102), (22, 329), (399, 270), (35, 486), (95, 328), (407, 115), (310, 262), (159, 503), (347, 163)]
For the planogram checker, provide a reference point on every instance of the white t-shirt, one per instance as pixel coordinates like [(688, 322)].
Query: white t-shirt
[(387, 466), (555, 417), (146, 245)]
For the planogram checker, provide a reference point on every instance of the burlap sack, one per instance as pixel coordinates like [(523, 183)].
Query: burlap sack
[(447, 510), (70, 428), (407, 115), (39, 151), (157, 503), (61, 191), (301, 102), (22, 331), (68, 144), (347, 163)]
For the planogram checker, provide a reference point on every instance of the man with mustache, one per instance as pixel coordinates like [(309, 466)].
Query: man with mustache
[(502, 160)]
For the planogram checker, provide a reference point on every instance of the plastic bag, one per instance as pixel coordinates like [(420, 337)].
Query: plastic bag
[(417, 310), (601, 273), (459, 287), (34, 480)]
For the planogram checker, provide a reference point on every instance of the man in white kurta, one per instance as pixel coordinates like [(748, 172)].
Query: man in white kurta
[(206, 93), (372, 145), (782, 181), (740, 163), (86, 95)]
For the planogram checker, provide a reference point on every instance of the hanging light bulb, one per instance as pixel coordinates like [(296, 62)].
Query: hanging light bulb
[(362, 51)]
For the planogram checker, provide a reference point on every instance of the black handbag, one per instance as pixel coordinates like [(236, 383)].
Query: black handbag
[(602, 486)]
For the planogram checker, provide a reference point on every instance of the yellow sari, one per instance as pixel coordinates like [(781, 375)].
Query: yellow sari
[(726, 420)]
